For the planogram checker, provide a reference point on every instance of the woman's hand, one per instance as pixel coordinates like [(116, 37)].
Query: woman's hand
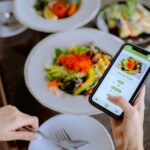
[(11, 122), (128, 133)]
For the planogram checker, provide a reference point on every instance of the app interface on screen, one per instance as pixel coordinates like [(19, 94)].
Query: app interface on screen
[(123, 78)]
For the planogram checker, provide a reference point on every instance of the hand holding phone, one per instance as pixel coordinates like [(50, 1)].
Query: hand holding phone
[(131, 124), (124, 77)]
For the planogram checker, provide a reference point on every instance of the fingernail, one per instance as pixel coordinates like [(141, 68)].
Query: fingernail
[(110, 97), (36, 137), (110, 100)]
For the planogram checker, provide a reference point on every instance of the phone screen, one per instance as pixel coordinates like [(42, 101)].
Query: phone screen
[(123, 78)]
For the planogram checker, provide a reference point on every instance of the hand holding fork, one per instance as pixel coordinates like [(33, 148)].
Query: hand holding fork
[(63, 139)]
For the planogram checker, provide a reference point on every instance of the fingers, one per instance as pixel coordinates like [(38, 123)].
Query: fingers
[(31, 121), (140, 105), (139, 102), (12, 122), (26, 120), (121, 102), (7, 108), (114, 122), (19, 119), (22, 135)]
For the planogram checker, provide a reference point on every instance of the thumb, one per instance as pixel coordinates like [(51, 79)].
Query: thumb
[(22, 135), (121, 102)]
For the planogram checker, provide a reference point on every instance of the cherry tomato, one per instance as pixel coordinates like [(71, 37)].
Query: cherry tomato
[(60, 9)]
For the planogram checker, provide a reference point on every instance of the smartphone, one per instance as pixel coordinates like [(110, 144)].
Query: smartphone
[(124, 77)]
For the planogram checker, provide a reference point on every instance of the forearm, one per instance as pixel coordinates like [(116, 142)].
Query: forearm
[(138, 147)]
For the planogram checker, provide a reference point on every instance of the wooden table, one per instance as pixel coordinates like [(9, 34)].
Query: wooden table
[(13, 53)]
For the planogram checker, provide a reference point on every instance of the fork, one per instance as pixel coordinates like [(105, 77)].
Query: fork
[(63, 139), (66, 142)]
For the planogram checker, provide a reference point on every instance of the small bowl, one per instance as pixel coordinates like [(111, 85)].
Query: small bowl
[(9, 26), (28, 16)]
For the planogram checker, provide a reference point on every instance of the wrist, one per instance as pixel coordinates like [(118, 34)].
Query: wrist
[(140, 147)]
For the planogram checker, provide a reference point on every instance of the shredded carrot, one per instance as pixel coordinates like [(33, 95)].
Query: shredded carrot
[(56, 91), (106, 60), (101, 68), (79, 63), (89, 91), (73, 8), (54, 84)]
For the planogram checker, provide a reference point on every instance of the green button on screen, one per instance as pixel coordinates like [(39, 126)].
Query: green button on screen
[(116, 89), (106, 105)]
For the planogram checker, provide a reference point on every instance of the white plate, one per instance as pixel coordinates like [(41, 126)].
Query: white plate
[(102, 25), (27, 15), (78, 127), (11, 30), (42, 55)]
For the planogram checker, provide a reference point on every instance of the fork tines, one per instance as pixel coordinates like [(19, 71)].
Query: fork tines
[(62, 135)]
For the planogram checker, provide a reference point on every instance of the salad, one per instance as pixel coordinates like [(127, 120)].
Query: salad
[(77, 69), (130, 66), (56, 9), (127, 19)]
